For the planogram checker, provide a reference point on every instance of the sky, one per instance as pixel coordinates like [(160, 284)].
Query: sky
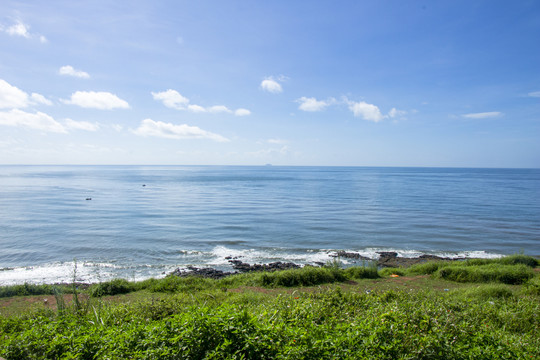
[(315, 83)]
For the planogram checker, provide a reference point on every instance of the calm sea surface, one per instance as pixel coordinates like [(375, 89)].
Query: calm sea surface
[(145, 221)]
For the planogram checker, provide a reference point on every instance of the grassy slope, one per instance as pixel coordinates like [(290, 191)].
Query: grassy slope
[(262, 316)]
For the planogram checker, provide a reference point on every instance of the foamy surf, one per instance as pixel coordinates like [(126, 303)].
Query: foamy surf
[(218, 258)]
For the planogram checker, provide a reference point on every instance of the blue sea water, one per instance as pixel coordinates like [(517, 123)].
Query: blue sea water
[(145, 221)]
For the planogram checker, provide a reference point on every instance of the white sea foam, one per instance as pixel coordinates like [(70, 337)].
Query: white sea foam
[(218, 257)]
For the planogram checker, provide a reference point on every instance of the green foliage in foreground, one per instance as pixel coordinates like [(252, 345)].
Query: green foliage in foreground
[(485, 322)]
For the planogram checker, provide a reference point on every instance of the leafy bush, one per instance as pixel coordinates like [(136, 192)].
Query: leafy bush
[(306, 276), (25, 289), (532, 287), (113, 287), (506, 274), (392, 271), (506, 260), (327, 324), (427, 268), (363, 272)]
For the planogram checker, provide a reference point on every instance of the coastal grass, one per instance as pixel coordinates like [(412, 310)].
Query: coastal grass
[(480, 321)]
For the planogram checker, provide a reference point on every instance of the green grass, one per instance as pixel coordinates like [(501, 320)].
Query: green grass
[(31, 289), (506, 274), (484, 322), (487, 309)]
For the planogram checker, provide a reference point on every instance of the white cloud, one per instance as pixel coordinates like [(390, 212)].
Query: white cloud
[(81, 125), (18, 29), (312, 104), (13, 97), (271, 85), (174, 100), (21, 29), (117, 127), (36, 121), (483, 115), (70, 71), (365, 111), (171, 99), (97, 100), (219, 109), (150, 127), (242, 112), (396, 113), (40, 99), (196, 108), (534, 94)]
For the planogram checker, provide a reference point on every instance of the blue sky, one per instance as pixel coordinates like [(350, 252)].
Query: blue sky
[(354, 83)]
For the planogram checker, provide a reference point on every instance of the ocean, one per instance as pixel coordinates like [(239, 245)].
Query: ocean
[(136, 222)]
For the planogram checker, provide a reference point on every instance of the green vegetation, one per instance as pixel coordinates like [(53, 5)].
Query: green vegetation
[(309, 313)]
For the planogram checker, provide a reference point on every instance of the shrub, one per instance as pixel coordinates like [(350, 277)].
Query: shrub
[(25, 290), (532, 287), (506, 274), (426, 268), (302, 277), (363, 272), (113, 287), (392, 271)]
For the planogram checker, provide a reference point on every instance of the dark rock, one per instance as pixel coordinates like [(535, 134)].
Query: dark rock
[(204, 272), (275, 266), (349, 255), (390, 259)]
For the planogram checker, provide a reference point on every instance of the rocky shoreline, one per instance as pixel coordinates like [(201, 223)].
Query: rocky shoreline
[(386, 259)]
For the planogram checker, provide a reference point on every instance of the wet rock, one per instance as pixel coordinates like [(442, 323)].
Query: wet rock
[(390, 259), (349, 255), (203, 272), (275, 266)]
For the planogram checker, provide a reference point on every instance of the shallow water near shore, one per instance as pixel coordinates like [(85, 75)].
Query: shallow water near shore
[(144, 221)]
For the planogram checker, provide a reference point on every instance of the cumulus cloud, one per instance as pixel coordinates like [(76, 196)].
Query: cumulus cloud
[(97, 100), (534, 94), (171, 99), (39, 99), (149, 127), (18, 29), (174, 100), (242, 112), (396, 113), (312, 104), (36, 121), (483, 115), (70, 71), (13, 97), (196, 108), (365, 111), (81, 125), (219, 109), (23, 30), (271, 86)]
